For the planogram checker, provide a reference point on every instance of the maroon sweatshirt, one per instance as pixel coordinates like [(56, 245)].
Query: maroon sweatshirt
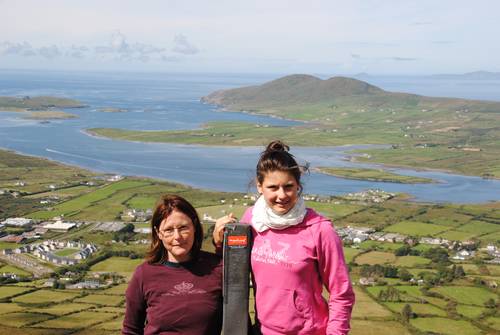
[(184, 299)]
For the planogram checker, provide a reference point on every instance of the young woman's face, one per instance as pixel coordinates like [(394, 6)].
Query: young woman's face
[(177, 234), (280, 190)]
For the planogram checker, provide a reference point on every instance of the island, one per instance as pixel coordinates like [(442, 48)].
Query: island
[(40, 107), (112, 110), (448, 134), (377, 175)]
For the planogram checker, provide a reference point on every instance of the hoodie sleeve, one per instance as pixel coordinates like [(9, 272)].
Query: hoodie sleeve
[(135, 312), (335, 277)]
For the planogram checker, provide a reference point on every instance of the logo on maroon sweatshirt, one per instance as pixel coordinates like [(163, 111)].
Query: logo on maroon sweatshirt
[(184, 288)]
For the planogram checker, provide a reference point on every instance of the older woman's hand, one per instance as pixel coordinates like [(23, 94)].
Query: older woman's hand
[(218, 234)]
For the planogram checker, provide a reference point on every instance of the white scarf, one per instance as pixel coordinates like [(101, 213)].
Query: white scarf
[(263, 217)]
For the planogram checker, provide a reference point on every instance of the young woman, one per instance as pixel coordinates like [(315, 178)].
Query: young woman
[(295, 253), (178, 289)]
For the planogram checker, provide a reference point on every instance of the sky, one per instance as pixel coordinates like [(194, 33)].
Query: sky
[(381, 37)]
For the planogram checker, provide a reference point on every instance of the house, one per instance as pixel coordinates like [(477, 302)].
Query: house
[(18, 222), (60, 226), (463, 255)]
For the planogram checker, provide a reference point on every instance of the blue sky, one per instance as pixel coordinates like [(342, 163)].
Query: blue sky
[(259, 36)]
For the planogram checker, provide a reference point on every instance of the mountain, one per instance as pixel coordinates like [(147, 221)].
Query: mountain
[(292, 96), (297, 88)]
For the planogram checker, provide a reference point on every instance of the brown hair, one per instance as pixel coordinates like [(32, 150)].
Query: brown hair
[(166, 205), (277, 158)]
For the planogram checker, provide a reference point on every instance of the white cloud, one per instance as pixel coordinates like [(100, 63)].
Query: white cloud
[(183, 46), (49, 52), (21, 49)]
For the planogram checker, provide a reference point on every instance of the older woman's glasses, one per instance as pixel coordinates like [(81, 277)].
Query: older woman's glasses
[(169, 232)]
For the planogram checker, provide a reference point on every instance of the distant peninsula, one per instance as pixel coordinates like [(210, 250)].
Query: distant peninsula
[(453, 134), (40, 107), (377, 175)]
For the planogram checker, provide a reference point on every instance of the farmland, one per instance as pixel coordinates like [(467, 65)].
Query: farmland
[(441, 298)]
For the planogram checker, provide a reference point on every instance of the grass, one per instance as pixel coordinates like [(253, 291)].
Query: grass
[(350, 254), (65, 252), (367, 306), (77, 320), (100, 299), (378, 175), (445, 326), (10, 291), (332, 210), (120, 265), (416, 228), (9, 308), (372, 327), (386, 246), (115, 325), (467, 295), (61, 308), (72, 207), (411, 261), (116, 290), (472, 312), (419, 309), (375, 257), (480, 227), (45, 297), (493, 322), (13, 269), (20, 319), (455, 235)]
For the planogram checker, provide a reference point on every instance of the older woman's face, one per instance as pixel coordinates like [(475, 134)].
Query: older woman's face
[(177, 235)]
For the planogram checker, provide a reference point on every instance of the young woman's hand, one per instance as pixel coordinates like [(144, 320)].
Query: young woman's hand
[(218, 234)]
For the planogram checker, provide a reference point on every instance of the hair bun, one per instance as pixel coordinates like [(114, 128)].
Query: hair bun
[(277, 146)]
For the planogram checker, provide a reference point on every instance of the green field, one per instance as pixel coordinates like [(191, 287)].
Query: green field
[(411, 261), (332, 210), (45, 297), (66, 252), (368, 327), (10, 291), (378, 175), (455, 235), (121, 265), (375, 257), (350, 253), (20, 319), (366, 306), (100, 299), (116, 290), (13, 269), (472, 312), (77, 320), (61, 308), (415, 228), (467, 295), (493, 322), (419, 309), (480, 227), (445, 326), (9, 308), (115, 325)]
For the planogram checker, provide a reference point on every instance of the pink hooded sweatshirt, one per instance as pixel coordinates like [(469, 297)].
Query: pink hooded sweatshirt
[(290, 268)]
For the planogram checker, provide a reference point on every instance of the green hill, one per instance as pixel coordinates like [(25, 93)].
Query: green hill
[(285, 95)]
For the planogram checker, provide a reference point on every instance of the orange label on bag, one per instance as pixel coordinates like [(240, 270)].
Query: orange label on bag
[(240, 241)]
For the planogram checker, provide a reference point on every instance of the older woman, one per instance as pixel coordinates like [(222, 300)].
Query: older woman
[(178, 289)]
